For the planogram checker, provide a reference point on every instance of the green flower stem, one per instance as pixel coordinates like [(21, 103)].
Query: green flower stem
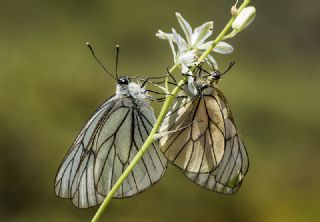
[(166, 105), (223, 32)]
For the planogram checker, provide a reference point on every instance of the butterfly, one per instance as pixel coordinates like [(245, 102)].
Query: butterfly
[(202, 139), (106, 146)]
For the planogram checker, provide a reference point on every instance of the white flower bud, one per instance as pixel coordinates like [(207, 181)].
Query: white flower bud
[(244, 19)]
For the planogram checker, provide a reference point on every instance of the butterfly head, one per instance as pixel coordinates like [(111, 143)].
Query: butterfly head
[(123, 80), (215, 75)]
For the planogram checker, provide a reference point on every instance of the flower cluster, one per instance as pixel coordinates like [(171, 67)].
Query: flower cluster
[(187, 51)]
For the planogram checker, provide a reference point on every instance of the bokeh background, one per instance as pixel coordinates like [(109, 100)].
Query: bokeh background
[(50, 85)]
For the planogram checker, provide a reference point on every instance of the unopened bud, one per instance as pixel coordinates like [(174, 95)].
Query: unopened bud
[(244, 19)]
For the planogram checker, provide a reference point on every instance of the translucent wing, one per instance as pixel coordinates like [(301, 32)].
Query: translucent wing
[(197, 143), (228, 176), (77, 157), (103, 150), (205, 143)]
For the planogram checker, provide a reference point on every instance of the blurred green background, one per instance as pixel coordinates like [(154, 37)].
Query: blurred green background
[(50, 85)]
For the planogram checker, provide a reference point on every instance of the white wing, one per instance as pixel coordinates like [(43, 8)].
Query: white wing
[(205, 143), (197, 145), (103, 150), (77, 156), (228, 176)]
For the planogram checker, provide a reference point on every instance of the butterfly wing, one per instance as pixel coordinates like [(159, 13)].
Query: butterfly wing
[(195, 142), (117, 147), (228, 176), (76, 159), (103, 150)]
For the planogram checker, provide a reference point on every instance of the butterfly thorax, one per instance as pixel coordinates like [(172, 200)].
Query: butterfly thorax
[(204, 86), (131, 89)]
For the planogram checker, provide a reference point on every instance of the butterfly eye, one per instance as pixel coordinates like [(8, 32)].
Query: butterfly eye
[(123, 80), (216, 75)]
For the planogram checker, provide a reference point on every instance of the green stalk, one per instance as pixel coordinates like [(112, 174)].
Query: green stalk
[(166, 105), (223, 32)]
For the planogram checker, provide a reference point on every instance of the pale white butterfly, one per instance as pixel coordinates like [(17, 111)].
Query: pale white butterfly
[(205, 143), (107, 144)]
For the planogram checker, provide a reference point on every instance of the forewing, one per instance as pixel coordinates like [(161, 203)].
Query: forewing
[(116, 148), (194, 141), (228, 176), (104, 149), (77, 164)]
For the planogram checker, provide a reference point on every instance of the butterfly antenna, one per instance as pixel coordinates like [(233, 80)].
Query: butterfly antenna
[(230, 66), (117, 59), (100, 63)]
